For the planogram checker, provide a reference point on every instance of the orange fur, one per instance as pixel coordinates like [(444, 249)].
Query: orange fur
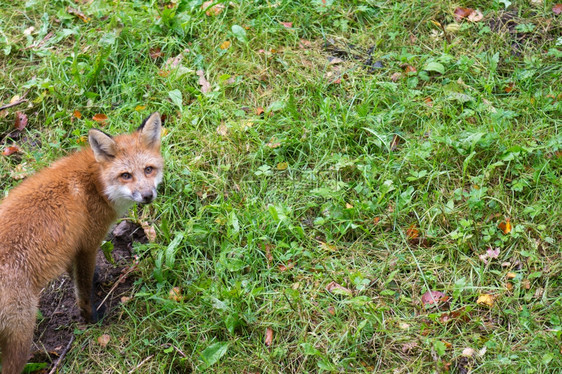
[(55, 221)]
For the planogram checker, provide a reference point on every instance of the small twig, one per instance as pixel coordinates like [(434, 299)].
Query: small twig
[(62, 355), (140, 364), (121, 278), (6, 106)]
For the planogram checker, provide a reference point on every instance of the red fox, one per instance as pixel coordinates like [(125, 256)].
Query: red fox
[(55, 221)]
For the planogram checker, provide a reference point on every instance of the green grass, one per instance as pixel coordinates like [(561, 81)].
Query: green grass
[(326, 182)]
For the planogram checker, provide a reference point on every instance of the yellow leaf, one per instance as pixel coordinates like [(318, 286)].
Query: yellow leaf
[(505, 226), (225, 44), (138, 108), (511, 275), (348, 206), (328, 247), (486, 299), (282, 166)]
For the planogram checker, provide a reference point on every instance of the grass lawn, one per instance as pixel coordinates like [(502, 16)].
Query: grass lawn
[(351, 186)]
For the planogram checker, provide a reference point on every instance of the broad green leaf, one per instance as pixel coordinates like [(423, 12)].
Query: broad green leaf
[(239, 33), (434, 66), (214, 352)]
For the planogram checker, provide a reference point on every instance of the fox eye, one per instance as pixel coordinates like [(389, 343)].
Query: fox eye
[(148, 169), (126, 176)]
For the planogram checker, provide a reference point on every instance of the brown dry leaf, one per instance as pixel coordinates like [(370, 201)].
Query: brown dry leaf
[(376, 220), (259, 110), (78, 14), (155, 53), (510, 86), (475, 16), (103, 340), (268, 336), (267, 248), (225, 44), (290, 265), (287, 24), (557, 9), (433, 298), (408, 68), (21, 121), (412, 232), (407, 347), (336, 288), (100, 118), (149, 231), (77, 114), (428, 101), (303, 44), (509, 286), (205, 85), (510, 275), (332, 310), (394, 77), (10, 150), (175, 294), (214, 10), (486, 299), (505, 226), (222, 130), (461, 13)]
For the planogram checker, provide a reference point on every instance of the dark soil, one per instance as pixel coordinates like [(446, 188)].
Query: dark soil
[(60, 315)]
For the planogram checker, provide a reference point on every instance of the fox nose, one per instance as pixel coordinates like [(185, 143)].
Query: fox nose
[(147, 197)]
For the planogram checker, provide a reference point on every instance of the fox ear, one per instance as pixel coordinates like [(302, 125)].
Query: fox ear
[(102, 144), (150, 130)]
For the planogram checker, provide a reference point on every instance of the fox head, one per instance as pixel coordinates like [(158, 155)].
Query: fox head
[(130, 164)]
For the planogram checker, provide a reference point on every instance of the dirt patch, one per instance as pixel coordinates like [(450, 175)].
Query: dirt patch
[(60, 315)]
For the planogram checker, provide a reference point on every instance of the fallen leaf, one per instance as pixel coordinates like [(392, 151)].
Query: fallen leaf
[(412, 232), (175, 294), (225, 44), (348, 206), (394, 77), (76, 114), (376, 220), (510, 275), (21, 121), (139, 108), (287, 24), (303, 44), (486, 299), (78, 14), (475, 16), (336, 288), (100, 118), (259, 110), (222, 130), (155, 53), (428, 101), (461, 13), (510, 86), (509, 286), (82, 140), (557, 9), (10, 150), (332, 310), (407, 347), (282, 166), (213, 10), (289, 266), (505, 226), (468, 352), (268, 336), (104, 339), (408, 68), (335, 60), (125, 299), (433, 298), (205, 85)]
